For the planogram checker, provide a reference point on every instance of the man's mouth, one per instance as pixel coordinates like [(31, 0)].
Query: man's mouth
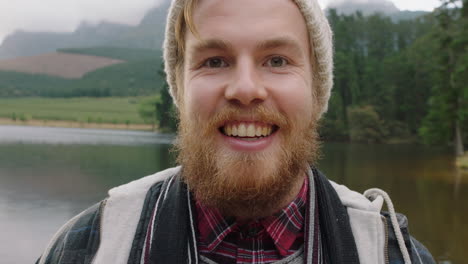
[(248, 130)]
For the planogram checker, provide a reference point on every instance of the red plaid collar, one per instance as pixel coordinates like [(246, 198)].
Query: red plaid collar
[(283, 227)]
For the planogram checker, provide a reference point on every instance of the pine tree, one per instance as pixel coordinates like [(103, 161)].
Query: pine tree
[(448, 103), (159, 109), (165, 109)]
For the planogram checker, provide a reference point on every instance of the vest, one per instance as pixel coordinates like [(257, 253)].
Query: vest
[(174, 239)]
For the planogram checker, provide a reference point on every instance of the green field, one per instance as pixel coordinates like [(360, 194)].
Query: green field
[(117, 110)]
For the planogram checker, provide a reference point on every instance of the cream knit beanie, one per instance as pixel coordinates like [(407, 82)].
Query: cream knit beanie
[(320, 36)]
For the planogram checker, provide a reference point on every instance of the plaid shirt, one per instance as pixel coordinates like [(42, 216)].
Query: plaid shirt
[(263, 241)]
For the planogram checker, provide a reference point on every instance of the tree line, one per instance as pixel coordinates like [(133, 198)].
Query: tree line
[(403, 80)]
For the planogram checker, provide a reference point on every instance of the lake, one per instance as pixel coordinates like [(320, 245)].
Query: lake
[(48, 175)]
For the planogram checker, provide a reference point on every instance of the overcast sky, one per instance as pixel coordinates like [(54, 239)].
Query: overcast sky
[(66, 15)]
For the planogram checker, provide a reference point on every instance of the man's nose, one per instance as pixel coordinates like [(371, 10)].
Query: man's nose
[(246, 87)]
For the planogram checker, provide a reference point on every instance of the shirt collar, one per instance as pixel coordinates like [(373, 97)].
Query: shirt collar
[(212, 226), (286, 225), (283, 227)]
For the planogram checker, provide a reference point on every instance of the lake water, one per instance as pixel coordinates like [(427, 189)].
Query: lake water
[(48, 175)]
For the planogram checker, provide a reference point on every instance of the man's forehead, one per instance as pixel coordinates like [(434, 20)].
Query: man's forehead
[(263, 24)]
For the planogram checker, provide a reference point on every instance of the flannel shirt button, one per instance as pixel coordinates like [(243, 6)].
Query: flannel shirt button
[(250, 231), (253, 231)]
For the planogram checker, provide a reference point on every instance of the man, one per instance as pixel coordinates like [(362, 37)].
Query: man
[(251, 80)]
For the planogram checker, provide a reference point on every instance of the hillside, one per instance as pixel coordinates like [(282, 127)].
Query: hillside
[(125, 79), (137, 76), (57, 64)]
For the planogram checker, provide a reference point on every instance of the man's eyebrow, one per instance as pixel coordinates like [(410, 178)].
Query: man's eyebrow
[(280, 42), (218, 44), (210, 44)]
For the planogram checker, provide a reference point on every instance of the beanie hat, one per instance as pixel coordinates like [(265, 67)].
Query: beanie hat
[(320, 36)]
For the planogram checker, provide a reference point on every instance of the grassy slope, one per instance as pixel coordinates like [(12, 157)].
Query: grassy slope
[(128, 79), (94, 110), (17, 84), (139, 76)]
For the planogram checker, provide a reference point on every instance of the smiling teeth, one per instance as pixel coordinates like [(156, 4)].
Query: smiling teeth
[(248, 130)]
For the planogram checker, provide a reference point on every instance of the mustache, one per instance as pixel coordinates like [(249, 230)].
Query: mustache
[(258, 113)]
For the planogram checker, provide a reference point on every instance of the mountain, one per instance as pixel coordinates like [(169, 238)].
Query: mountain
[(148, 34), (23, 43), (369, 7)]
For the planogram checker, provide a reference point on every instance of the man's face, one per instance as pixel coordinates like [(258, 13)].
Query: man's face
[(247, 116)]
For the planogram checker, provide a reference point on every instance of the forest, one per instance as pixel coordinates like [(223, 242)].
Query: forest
[(401, 81)]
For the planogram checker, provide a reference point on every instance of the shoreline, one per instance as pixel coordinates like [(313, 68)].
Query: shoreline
[(462, 162), (74, 124)]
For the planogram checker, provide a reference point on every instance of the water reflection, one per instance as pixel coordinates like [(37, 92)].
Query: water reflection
[(43, 185), (423, 183)]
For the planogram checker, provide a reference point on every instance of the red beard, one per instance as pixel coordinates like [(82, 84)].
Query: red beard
[(245, 185)]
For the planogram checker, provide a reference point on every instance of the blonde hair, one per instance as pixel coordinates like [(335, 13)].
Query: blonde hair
[(183, 21)]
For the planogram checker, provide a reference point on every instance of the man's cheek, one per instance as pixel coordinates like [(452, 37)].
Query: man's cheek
[(203, 97)]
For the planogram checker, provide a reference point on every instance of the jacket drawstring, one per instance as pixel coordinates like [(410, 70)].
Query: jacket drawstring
[(371, 194)]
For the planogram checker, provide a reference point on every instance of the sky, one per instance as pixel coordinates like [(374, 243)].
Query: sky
[(66, 15)]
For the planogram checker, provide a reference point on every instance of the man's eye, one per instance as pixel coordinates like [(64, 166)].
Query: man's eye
[(277, 62), (215, 63)]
